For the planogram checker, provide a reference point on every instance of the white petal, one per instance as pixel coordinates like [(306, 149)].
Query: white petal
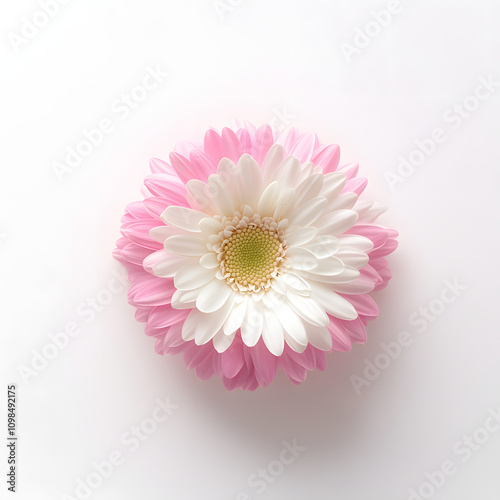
[(273, 159), (302, 259), (308, 171), (347, 274), (220, 194), (333, 184), (272, 334), (343, 201), (353, 240), (161, 233), (369, 211), (186, 245), (356, 287), (309, 188), (209, 261), (290, 170), (330, 266), (268, 199), (236, 317), (164, 264), (228, 174), (199, 196), (184, 299), (249, 181), (309, 212), (222, 342), (296, 346), (278, 285), (334, 304), (184, 218), (290, 322), (352, 257), (203, 327), (251, 329), (192, 276), (284, 205), (296, 282), (323, 246), (213, 296), (308, 309), (189, 325), (336, 223), (320, 338), (301, 236), (209, 226)]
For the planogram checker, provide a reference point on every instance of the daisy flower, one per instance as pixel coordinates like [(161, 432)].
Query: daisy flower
[(252, 251)]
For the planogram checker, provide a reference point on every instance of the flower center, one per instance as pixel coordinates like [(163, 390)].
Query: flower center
[(251, 251)]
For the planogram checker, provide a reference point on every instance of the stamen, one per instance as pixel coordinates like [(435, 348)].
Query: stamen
[(251, 251)]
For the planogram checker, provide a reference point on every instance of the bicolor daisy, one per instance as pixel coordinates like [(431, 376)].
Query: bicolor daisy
[(253, 251)]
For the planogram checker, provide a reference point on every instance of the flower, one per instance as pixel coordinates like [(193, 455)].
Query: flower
[(253, 251)]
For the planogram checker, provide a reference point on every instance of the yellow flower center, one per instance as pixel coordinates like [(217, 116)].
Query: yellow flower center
[(252, 255), (251, 251)]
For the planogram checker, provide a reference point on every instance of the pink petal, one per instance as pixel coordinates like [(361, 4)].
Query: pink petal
[(155, 207), (328, 158), (202, 165), (245, 140), (136, 211), (244, 379), (182, 167), (363, 304), (350, 170), (356, 185), (287, 139), (356, 330), (295, 372), (158, 166), (303, 147), (264, 363), (135, 253), (340, 338), (195, 354), (163, 316), (378, 235), (213, 146), (388, 247), (306, 359), (320, 360), (168, 187), (142, 314), (205, 368), (231, 145), (138, 232), (151, 292), (232, 359)]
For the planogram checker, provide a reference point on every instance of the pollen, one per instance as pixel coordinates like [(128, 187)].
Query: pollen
[(251, 251)]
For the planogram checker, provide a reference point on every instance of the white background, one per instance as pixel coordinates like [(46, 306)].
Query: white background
[(280, 62)]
